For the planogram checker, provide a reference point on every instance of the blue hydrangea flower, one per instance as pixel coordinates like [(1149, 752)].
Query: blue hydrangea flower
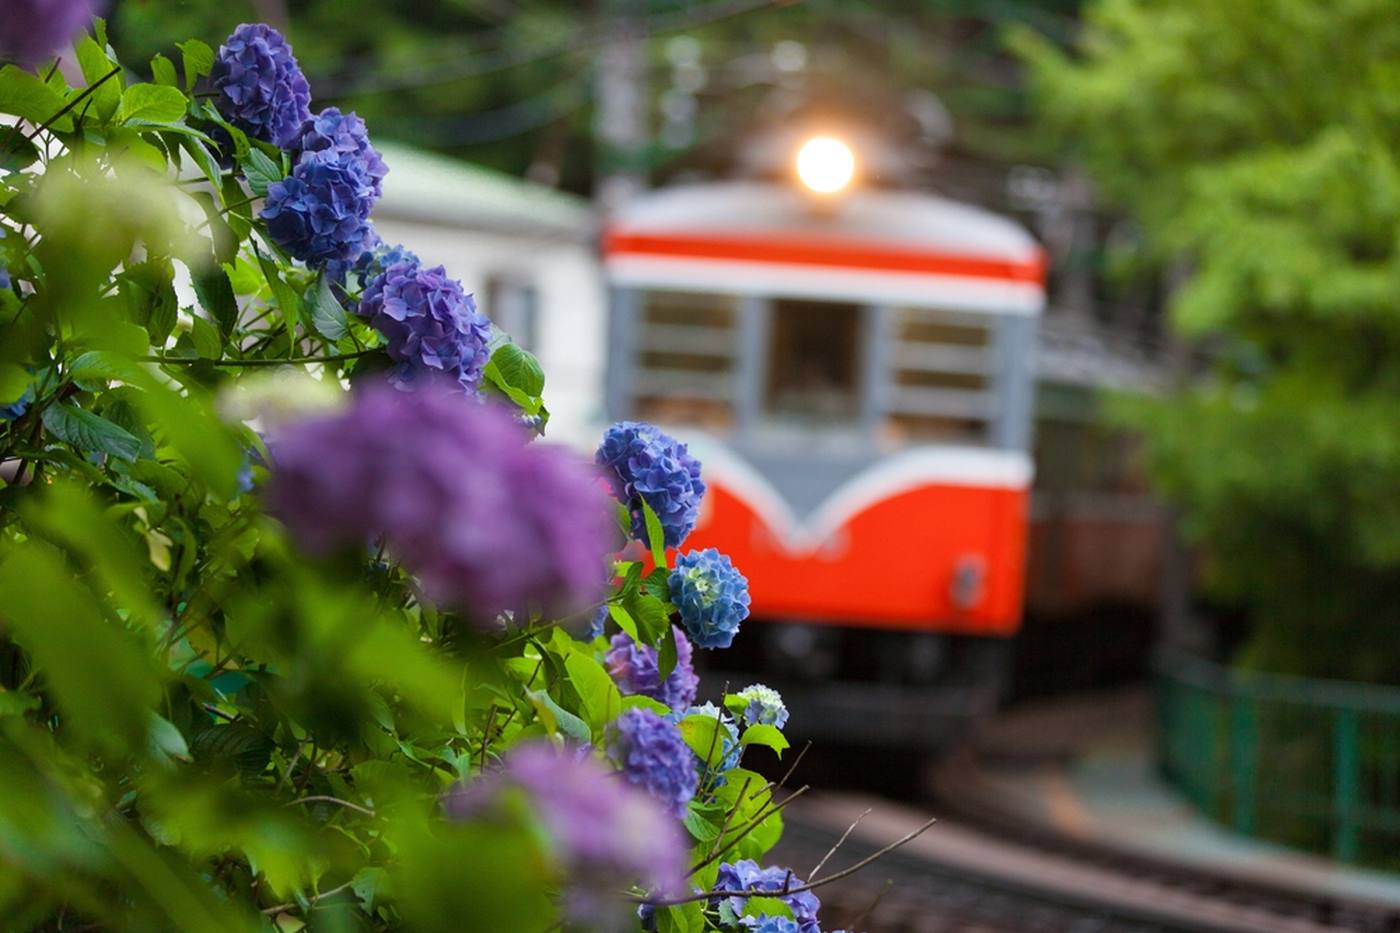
[(431, 324), (653, 756), (635, 669), (595, 625), (345, 135), (729, 747), (711, 595), (320, 213), (770, 924), (18, 407), (745, 875), (763, 705), (261, 88), (32, 30), (644, 463)]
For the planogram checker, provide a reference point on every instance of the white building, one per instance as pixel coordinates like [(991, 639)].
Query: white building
[(530, 256)]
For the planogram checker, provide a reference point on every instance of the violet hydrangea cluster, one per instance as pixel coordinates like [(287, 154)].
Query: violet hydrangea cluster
[(643, 463), (32, 30), (635, 670), (746, 875), (771, 924), (763, 706), (600, 829), (261, 89), (320, 212), (430, 324), (485, 520), (653, 756), (711, 595)]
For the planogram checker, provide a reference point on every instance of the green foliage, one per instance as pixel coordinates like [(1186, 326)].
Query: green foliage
[(1257, 144)]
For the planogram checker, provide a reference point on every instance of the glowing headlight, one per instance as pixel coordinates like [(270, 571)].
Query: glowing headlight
[(825, 164)]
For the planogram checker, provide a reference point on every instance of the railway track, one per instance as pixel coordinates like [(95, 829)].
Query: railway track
[(984, 869)]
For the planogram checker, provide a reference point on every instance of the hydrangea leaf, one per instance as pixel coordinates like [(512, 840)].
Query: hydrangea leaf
[(260, 171), (766, 907), (163, 71), (327, 313), (95, 65), (25, 96), (601, 700), (702, 734), (215, 295), (666, 653), (562, 720), (682, 918), (89, 431), (198, 60), (656, 537), (14, 382), (151, 103), (283, 296), (767, 736), (624, 620), (637, 701)]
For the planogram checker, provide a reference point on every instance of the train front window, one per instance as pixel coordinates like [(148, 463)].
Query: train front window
[(814, 363)]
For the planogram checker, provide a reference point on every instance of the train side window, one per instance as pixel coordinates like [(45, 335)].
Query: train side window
[(942, 377), (686, 350), (814, 367)]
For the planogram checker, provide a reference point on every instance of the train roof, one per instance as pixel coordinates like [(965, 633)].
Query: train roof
[(905, 247)]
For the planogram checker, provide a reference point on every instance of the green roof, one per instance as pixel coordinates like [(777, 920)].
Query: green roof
[(439, 189)]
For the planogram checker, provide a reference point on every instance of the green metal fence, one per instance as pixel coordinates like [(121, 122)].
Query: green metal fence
[(1308, 763)]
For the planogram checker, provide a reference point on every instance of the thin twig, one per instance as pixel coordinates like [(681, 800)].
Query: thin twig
[(310, 900), (724, 827), (748, 828), (844, 836), (288, 361), (324, 798), (82, 95), (754, 892)]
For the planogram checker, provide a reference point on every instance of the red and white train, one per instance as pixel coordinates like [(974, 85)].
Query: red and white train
[(854, 368)]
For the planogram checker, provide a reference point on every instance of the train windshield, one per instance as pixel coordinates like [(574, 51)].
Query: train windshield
[(813, 370)]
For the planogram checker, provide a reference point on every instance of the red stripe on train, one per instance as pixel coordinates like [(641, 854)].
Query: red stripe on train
[(824, 252)]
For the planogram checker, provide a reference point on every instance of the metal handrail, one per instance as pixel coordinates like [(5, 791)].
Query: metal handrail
[(1308, 762)]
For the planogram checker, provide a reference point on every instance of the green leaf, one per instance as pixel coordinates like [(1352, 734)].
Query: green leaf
[(768, 906), (327, 314), (152, 103), (163, 71), (682, 918), (766, 735), (656, 537), (16, 152), (208, 343), (234, 746), (198, 60), (702, 733), (100, 677), (166, 740), (215, 295), (519, 368), (652, 615), (601, 700), (89, 431), (25, 96), (624, 620), (208, 165), (95, 66), (14, 382), (700, 828), (666, 657), (260, 171), (283, 297), (637, 701), (565, 721)]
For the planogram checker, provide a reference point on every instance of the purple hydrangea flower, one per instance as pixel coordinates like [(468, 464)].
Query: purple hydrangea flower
[(604, 832), (745, 875), (729, 748), (635, 669), (320, 213), (653, 756), (33, 30), (644, 463), (345, 135), (430, 323), (487, 521), (763, 706), (711, 595), (261, 88)]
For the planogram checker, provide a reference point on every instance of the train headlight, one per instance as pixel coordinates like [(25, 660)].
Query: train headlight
[(825, 164)]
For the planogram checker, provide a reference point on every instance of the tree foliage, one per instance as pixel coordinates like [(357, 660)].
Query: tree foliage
[(1258, 145)]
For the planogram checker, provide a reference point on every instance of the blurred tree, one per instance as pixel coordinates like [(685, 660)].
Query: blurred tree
[(508, 83), (1257, 142)]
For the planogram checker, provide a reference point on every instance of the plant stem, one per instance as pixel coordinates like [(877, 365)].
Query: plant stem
[(289, 361)]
